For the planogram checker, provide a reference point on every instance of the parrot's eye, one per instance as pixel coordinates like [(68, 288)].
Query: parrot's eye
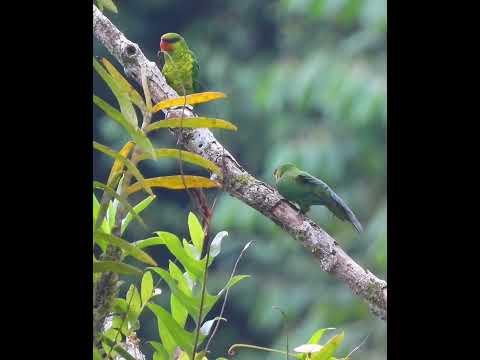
[(171, 41)]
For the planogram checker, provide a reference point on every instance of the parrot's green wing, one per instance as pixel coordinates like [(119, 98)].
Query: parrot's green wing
[(318, 186), (326, 196), (195, 74)]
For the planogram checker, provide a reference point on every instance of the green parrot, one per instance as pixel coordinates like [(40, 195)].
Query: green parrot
[(304, 189), (181, 66)]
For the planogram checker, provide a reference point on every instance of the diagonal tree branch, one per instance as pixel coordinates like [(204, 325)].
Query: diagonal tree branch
[(239, 183)]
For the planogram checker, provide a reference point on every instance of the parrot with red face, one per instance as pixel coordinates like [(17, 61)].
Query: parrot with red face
[(181, 68)]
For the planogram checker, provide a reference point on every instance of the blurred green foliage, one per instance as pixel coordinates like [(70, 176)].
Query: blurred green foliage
[(306, 83)]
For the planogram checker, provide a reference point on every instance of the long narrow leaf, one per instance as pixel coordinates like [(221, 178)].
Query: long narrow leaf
[(118, 165), (123, 99), (124, 84), (184, 339), (121, 200), (186, 156), (149, 242), (130, 166), (126, 246), (137, 135), (187, 301), (142, 205), (146, 90), (96, 208), (116, 267), (174, 182), (192, 99), (192, 122), (175, 247)]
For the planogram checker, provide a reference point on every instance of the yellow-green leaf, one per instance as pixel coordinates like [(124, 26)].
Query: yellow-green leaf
[(137, 135), (130, 166), (196, 232), (329, 348), (124, 85), (167, 325), (122, 97), (118, 165), (174, 182), (184, 156), (125, 245), (192, 99), (191, 122), (116, 267)]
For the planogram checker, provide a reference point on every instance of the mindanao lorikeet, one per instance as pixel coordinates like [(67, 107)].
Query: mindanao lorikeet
[(181, 66), (306, 190)]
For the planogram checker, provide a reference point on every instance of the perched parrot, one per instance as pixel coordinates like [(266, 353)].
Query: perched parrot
[(181, 66), (306, 190)]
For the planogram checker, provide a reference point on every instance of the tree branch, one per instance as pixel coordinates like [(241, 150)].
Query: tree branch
[(239, 183)]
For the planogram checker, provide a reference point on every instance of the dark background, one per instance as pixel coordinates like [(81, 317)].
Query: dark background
[(306, 83)]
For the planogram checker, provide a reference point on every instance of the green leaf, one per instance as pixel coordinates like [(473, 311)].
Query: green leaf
[(118, 348), (137, 135), (191, 250), (121, 200), (116, 267), (104, 227), (179, 312), (122, 96), (141, 244), (120, 305), (117, 167), (130, 166), (133, 94), (126, 246), (174, 182), (196, 232), (96, 354), (317, 335), (108, 4), (170, 330), (159, 356), (142, 205), (329, 348), (189, 302), (193, 123), (146, 288), (174, 246), (134, 303), (162, 354), (180, 278), (186, 156)]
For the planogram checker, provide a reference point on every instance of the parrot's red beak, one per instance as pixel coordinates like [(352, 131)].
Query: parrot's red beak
[(165, 46)]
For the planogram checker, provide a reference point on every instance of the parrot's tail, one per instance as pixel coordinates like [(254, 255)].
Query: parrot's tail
[(356, 223), (345, 213)]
